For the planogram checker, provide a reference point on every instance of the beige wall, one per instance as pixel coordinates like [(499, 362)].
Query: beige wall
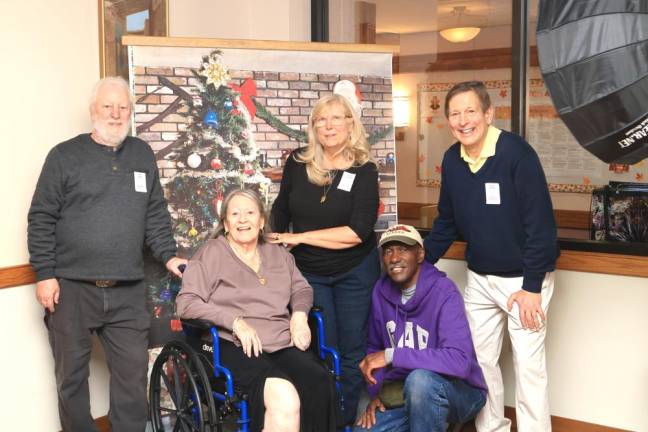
[(50, 61), (243, 19), (597, 356)]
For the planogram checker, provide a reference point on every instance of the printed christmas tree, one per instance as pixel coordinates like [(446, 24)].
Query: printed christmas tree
[(214, 154), (217, 152)]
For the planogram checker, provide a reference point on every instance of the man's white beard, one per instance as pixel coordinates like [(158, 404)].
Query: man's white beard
[(110, 138)]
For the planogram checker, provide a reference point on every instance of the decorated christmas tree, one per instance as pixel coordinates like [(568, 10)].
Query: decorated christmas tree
[(217, 152)]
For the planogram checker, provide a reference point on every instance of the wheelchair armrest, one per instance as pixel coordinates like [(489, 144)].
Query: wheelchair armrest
[(199, 324), (200, 327), (316, 324)]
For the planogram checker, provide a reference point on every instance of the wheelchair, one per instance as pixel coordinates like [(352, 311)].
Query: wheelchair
[(190, 390)]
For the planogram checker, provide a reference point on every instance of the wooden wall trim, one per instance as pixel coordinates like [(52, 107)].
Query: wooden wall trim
[(589, 262), (256, 44), (604, 263), (574, 219), (16, 276), (491, 58), (409, 210)]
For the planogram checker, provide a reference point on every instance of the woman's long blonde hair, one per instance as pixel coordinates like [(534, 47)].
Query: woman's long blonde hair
[(356, 150)]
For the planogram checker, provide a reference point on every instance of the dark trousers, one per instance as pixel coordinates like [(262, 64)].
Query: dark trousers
[(319, 409), (346, 300), (119, 317)]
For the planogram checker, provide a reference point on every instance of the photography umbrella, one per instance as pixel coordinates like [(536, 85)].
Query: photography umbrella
[(594, 59)]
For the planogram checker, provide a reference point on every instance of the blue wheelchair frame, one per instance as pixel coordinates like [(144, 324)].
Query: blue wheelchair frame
[(229, 400)]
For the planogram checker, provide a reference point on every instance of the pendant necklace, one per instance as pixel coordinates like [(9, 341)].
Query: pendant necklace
[(327, 187), (257, 257)]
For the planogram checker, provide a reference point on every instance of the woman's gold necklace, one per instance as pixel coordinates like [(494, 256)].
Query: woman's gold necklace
[(328, 186), (250, 263)]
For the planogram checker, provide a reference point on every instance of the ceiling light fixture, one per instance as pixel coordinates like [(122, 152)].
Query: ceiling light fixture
[(459, 34)]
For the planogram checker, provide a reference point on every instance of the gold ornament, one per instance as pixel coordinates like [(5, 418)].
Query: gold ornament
[(193, 232), (216, 74)]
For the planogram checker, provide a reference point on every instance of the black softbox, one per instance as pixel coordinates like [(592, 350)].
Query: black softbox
[(594, 60)]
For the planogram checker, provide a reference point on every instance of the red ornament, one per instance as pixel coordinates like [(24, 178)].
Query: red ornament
[(176, 325), (216, 164), (217, 203), (248, 169), (236, 112)]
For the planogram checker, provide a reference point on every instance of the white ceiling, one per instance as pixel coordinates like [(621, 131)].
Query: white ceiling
[(412, 16)]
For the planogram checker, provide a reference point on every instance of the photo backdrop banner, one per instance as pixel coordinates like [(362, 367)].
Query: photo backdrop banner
[(222, 117)]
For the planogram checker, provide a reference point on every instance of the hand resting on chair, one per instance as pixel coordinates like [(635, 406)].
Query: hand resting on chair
[(299, 331), (248, 337)]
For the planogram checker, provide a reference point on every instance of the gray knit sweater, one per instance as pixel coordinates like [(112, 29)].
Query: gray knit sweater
[(94, 209)]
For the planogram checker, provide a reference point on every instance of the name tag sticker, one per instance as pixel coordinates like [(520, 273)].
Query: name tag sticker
[(346, 181), (492, 193), (140, 181)]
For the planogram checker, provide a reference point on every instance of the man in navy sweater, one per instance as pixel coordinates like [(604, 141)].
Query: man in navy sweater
[(494, 195)]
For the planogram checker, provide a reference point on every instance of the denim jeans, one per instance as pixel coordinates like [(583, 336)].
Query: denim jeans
[(345, 300), (431, 400)]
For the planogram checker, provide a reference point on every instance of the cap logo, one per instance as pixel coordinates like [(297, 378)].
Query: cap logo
[(397, 228)]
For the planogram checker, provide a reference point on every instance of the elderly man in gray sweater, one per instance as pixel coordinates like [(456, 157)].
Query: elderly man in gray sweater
[(98, 201)]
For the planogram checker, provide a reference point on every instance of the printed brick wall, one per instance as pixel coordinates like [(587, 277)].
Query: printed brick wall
[(289, 96)]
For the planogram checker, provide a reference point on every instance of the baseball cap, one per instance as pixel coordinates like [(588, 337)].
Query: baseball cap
[(402, 233)]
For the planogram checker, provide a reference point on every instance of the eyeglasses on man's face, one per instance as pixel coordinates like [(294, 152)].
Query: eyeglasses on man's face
[(333, 121)]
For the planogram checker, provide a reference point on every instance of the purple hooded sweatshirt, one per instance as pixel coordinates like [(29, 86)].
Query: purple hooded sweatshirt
[(430, 331)]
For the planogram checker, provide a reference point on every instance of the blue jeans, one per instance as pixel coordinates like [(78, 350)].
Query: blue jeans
[(431, 400), (345, 300)]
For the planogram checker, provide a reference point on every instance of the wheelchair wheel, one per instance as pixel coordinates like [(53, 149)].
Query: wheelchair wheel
[(180, 396)]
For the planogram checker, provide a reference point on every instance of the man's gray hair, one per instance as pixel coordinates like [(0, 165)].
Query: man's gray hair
[(111, 80)]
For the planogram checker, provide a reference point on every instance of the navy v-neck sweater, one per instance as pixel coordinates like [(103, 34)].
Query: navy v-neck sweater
[(516, 237)]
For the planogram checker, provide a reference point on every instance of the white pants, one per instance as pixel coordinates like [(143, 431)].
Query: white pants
[(486, 298)]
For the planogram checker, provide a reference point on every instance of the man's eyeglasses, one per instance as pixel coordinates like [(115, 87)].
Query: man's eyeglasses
[(335, 121)]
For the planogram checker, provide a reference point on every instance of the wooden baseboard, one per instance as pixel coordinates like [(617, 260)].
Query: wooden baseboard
[(103, 424), (562, 424), (558, 424)]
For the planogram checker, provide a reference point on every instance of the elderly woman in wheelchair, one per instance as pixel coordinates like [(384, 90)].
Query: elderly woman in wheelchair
[(253, 292)]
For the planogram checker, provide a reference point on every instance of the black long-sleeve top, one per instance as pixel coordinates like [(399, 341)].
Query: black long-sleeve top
[(94, 209), (299, 203)]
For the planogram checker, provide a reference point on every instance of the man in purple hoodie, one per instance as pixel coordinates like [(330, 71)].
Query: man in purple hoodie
[(419, 345)]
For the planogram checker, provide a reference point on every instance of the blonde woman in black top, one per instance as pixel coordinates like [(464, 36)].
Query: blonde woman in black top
[(329, 196)]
